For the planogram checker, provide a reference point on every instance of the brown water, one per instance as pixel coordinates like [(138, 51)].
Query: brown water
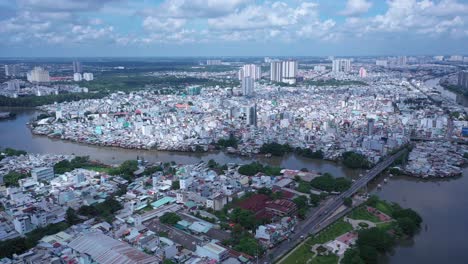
[(442, 203)]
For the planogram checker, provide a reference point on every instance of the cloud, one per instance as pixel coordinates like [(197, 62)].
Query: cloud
[(63, 5), (356, 7), (163, 24), (196, 8)]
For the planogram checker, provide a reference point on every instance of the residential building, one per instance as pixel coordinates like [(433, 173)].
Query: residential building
[(193, 90), (383, 63), (275, 71), (77, 77), (13, 84), (43, 173), (247, 86), (289, 71), (463, 79), (341, 65), (77, 67), (88, 76), (362, 72), (11, 70), (250, 70), (401, 61), (213, 62), (38, 74)]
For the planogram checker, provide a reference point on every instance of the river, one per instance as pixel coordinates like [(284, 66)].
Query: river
[(441, 203)]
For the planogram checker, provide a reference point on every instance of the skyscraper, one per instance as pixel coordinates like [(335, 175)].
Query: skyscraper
[(289, 71), (38, 74), (77, 67), (252, 115), (370, 126), (341, 65), (247, 86), (275, 71), (401, 61), (250, 70), (463, 79), (11, 70), (383, 63), (362, 72)]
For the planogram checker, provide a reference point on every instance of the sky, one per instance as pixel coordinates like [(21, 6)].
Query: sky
[(112, 28)]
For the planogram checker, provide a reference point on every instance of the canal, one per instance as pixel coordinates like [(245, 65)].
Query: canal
[(441, 203)]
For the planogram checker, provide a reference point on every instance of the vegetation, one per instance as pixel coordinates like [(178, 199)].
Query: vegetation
[(255, 167), (175, 185), (126, 169), (302, 204), (361, 213), (309, 153), (13, 152), (104, 211), (355, 160), (170, 218), (33, 101), (348, 202), (12, 178), (245, 218), (71, 217), (22, 244), (230, 142), (65, 166), (328, 183), (275, 149)]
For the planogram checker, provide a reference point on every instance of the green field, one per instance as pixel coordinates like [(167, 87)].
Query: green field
[(384, 207), (330, 259), (302, 253), (361, 213)]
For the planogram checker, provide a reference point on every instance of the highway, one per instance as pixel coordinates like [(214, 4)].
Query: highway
[(323, 217)]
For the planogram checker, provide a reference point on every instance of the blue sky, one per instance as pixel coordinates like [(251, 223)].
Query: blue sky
[(75, 28)]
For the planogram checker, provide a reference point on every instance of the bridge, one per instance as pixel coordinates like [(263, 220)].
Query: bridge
[(325, 215)]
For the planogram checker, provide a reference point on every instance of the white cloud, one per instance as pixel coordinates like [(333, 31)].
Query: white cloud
[(163, 24), (356, 7)]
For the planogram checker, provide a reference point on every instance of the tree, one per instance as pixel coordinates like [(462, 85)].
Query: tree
[(175, 185), (352, 256), (315, 199), (355, 160), (71, 217), (249, 246), (244, 217), (375, 237), (407, 225), (170, 218), (348, 202), (369, 254), (12, 178), (408, 213)]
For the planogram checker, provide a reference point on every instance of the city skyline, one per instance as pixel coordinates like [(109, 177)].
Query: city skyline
[(232, 28)]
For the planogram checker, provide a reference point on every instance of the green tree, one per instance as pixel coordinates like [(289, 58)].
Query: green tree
[(407, 225), (170, 218), (355, 160), (348, 202), (12, 178), (376, 238), (71, 217), (352, 256), (243, 217), (175, 185), (250, 246)]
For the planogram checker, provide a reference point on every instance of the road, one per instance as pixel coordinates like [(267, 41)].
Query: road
[(324, 216)]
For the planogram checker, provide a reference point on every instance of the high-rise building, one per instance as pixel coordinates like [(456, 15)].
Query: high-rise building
[(275, 71), (439, 58), (341, 65), (193, 90), (38, 74), (383, 63), (13, 85), (370, 126), (252, 115), (88, 76), (77, 67), (11, 70), (289, 71), (43, 173), (362, 72), (247, 86), (463, 79), (250, 70), (213, 62), (401, 60), (320, 68), (456, 58), (77, 77)]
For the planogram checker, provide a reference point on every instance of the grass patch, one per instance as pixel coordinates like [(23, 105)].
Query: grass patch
[(331, 232), (98, 168), (302, 253), (329, 259), (384, 207), (386, 226), (361, 213)]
